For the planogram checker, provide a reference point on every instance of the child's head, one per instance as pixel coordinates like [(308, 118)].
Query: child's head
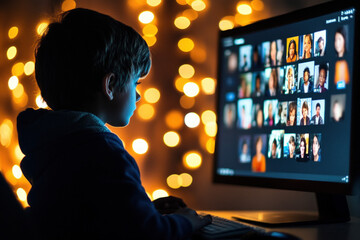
[(79, 50)]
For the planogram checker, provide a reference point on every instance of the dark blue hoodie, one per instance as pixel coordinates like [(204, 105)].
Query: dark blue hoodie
[(85, 185)]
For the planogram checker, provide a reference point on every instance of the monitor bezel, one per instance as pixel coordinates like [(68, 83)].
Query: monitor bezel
[(291, 184)]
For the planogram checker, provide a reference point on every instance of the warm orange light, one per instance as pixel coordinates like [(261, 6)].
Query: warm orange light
[(181, 2), (150, 30), (29, 68), (11, 52), (208, 116), (40, 102), (211, 129), (13, 32), (186, 71), (192, 120), (17, 69), (182, 22), (159, 193), (187, 102), (198, 54), (198, 5), (208, 85), (186, 179), (18, 91), (13, 82), (41, 27), (146, 111), (192, 160), (6, 129), (174, 181), (140, 146), (152, 95), (146, 17), (257, 5), (174, 119), (244, 9), (150, 40), (191, 14), (21, 194), (226, 23), (186, 44), (191, 89), (16, 171), (68, 5), (179, 83), (210, 145), (18, 153), (153, 3), (171, 139)]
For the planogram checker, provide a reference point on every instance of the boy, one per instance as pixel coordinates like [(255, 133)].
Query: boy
[(84, 183)]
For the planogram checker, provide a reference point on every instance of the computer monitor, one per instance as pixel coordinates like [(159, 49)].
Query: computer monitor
[(288, 102)]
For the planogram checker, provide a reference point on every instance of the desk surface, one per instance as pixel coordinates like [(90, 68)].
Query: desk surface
[(342, 231)]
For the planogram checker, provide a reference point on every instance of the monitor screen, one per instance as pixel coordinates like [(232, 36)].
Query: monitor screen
[(285, 100)]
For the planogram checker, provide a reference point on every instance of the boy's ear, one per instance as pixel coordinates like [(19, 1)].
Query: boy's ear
[(108, 85)]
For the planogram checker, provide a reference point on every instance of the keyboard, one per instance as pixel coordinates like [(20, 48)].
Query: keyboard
[(225, 228)]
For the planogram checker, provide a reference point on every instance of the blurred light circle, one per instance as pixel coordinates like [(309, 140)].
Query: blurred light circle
[(208, 85), (244, 9), (40, 102), (182, 22), (186, 71), (21, 194), (150, 40), (140, 146), (153, 3), (41, 27), (171, 139), (186, 179), (150, 30), (226, 23), (146, 17), (146, 111), (68, 5), (186, 44), (211, 129), (257, 5), (187, 102), (17, 69), (18, 91), (29, 68), (11, 52), (191, 14), (191, 89), (13, 82), (16, 170), (210, 145), (174, 119), (152, 95), (174, 181), (192, 160), (208, 116), (179, 83), (13, 32), (159, 193), (198, 5), (192, 120)]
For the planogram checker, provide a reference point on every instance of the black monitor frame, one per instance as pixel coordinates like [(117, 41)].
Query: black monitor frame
[(303, 185)]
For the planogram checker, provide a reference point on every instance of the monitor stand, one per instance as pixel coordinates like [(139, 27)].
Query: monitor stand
[(331, 208)]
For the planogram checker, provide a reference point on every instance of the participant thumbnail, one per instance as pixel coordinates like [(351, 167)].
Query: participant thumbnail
[(306, 46), (265, 53), (244, 149), (258, 85), (341, 41), (276, 53), (342, 75), (291, 120), (306, 76), (292, 49), (318, 111), (245, 58), (281, 118), (303, 111), (244, 110), (256, 57), (245, 85), (315, 143), (322, 76), (232, 61), (338, 107), (258, 116), (320, 43), (302, 147), (258, 163), (276, 139), (289, 145), (271, 76), (290, 83), (270, 108), (229, 114)]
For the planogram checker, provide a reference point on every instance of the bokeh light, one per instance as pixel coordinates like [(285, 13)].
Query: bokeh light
[(150, 30), (191, 14), (11, 52), (140, 146), (179, 83), (150, 40), (210, 145), (146, 17), (186, 179), (244, 9), (187, 102), (174, 119), (41, 27), (13, 32), (152, 95), (257, 5), (186, 44), (208, 116), (159, 193), (40, 102), (226, 23), (191, 89), (171, 139), (13, 82), (182, 22), (181, 2), (16, 171), (146, 111), (198, 5), (18, 91), (174, 181), (17, 69), (192, 159), (208, 85), (153, 3), (20, 192), (68, 5), (29, 68), (6, 129), (192, 120), (186, 71), (211, 129), (198, 54)]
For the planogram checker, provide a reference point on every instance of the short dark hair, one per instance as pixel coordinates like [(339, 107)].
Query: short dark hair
[(307, 70), (318, 105), (323, 66), (79, 49)]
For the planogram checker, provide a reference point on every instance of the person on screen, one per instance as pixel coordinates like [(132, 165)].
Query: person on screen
[(273, 53), (292, 114), (320, 86), (245, 155), (307, 46), (316, 149), (257, 91), (303, 157), (258, 163), (245, 67), (306, 85), (256, 58), (232, 62), (292, 52), (291, 145), (271, 88), (259, 118), (317, 119), (320, 50), (273, 148), (291, 88), (337, 111), (340, 41), (305, 120), (269, 121), (243, 90), (229, 115)]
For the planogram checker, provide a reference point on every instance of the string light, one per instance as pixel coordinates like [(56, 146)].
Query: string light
[(198, 5), (210, 145), (187, 102), (68, 5), (152, 95), (174, 181), (257, 5), (211, 129), (16, 171), (29, 68), (226, 23), (153, 3), (41, 27), (18, 69), (6, 129), (191, 14), (208, 85), (186, 44), (21, 194), (208, 116), (150, 30), (146, 111), (186, 179), (40, 102)]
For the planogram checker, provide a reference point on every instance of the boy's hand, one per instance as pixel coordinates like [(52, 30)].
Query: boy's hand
[(197, 221), (169, 204)]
